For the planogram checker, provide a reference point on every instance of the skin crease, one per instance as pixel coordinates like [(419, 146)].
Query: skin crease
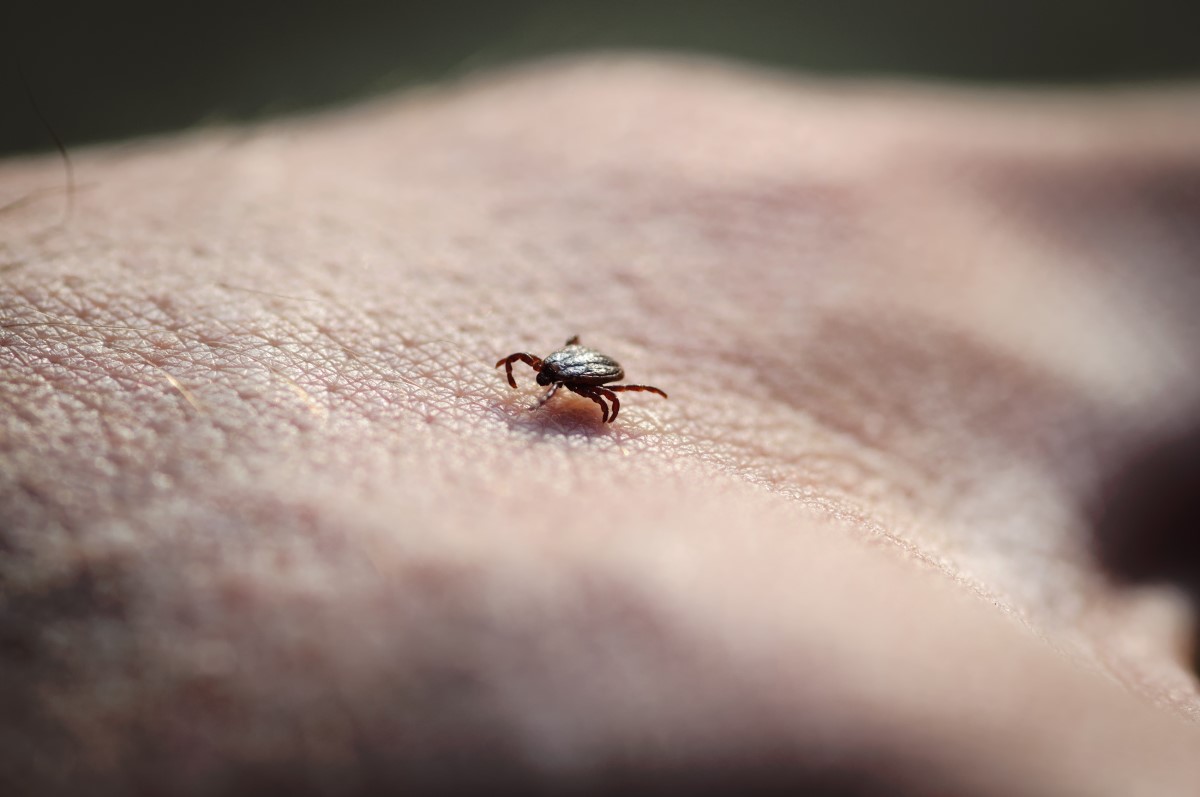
[(270, 519)]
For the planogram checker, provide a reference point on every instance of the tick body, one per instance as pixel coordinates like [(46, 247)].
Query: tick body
[(581, 370)]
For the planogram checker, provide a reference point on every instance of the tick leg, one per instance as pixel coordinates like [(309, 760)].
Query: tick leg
[(549, 393), (611, 396), (588, 392), (572, 341), (507, 362), (642, 388)]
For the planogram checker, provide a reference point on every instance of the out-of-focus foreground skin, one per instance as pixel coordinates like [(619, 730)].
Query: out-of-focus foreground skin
[(271, 521)]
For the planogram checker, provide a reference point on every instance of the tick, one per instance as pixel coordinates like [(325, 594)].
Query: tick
[(581, 370)]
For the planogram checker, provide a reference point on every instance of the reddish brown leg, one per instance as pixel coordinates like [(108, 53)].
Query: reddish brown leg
[(571, 341), (643, 388), (534, 362), (588, 392), (611, 396)]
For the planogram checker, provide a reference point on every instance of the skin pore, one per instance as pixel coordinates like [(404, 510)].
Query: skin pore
[(271, 521)]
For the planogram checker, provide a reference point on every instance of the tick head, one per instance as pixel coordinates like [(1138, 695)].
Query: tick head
[(547, 376)]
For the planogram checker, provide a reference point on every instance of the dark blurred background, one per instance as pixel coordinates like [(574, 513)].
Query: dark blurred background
[(103, 70)]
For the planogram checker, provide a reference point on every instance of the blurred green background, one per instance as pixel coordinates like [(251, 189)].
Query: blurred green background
[(103, 70)]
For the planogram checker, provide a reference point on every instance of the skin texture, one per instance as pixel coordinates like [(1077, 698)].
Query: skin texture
[(271, 520)]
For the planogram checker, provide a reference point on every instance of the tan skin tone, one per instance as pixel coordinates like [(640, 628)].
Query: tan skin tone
[(272, 520)]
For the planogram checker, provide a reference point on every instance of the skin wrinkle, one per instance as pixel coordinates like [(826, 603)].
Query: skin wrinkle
[(361, 547)]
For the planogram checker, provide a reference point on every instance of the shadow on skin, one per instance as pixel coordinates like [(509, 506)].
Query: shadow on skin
[(564, 415), (1146, 519)]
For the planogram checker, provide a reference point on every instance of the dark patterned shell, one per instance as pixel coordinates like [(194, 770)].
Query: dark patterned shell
[(582, 365)]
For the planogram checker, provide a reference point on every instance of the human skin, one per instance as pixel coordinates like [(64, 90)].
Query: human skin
[(273, 523)]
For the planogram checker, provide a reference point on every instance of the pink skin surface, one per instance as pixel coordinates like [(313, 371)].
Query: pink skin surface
[(271, 522)]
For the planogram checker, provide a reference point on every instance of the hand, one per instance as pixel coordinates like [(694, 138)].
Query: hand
[(273, 521)]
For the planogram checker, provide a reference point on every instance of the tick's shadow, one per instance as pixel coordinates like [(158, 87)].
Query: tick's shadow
[(565, 415), (1146, 517)]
